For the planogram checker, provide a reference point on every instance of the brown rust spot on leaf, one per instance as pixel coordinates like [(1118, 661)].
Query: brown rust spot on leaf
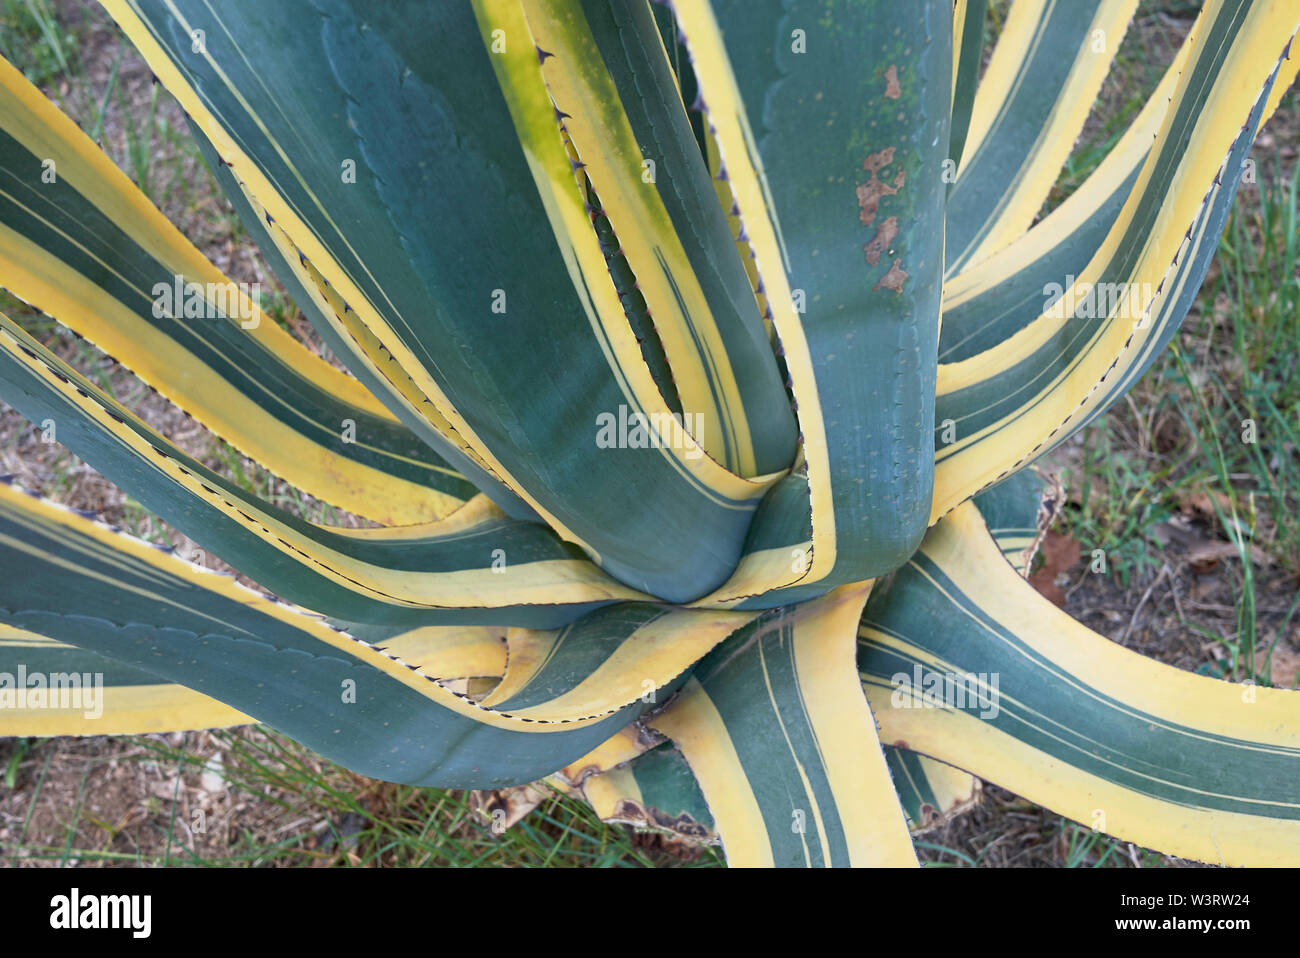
[(870, 195), (646, 736), (892, 90), (585, 773), (893, 279), (683, 825), (876, 162), (886, 232), (871, 192)]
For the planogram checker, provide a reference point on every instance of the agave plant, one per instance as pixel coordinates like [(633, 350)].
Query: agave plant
[(697, 353)]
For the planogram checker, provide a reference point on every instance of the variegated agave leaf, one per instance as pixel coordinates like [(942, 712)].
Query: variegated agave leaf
[(697, 352)]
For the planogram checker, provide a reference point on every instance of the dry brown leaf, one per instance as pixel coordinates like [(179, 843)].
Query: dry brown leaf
[(1201, 504), (503, 807), (1060, 552), (1286, 665), (1185, 544)]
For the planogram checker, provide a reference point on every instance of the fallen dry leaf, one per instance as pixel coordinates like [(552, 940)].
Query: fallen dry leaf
[(1185, 544), (1060, 552), (1286, 665), (1201, 504), (503, 807)]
